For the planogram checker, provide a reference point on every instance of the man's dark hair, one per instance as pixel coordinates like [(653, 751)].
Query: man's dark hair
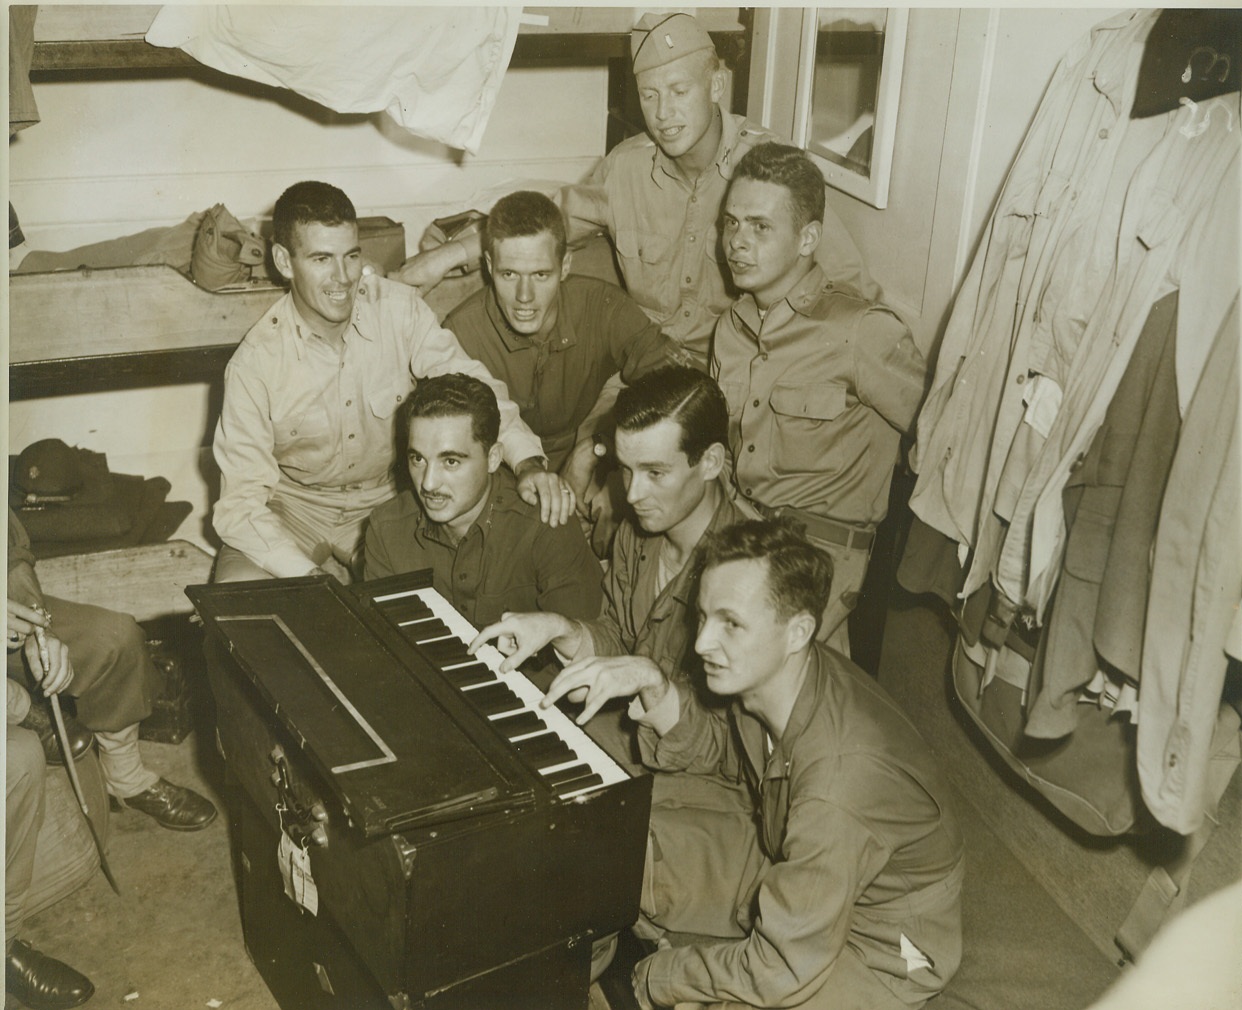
[(676, 393), (309, 203), (455, 395), (525, 213), (799, 573), (791, 168)]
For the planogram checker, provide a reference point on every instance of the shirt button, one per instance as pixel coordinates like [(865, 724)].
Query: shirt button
[(689, 280), (694, 199), (1104, 133), (686, 313), (756, 403), (294, 432), (461, 577), (750, 448), (692, 238), (349, 403), (1020, 379), (275, 321), (749, 491), (763, 356), (351, 435)]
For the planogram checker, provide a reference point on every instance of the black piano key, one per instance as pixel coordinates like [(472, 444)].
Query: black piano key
[(573, 785), (492, 699), (567, 774), (519, 724), (545, 744), (408, 608), (468, 676), (446, 652), (424, 631), (550, 759)]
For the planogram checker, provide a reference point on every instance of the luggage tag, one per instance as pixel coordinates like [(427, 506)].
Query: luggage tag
[(295, 869)]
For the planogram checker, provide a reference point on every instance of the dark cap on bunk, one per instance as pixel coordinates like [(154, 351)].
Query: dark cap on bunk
[(658, 39), (49, 467)]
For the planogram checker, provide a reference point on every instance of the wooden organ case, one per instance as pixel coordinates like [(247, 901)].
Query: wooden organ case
[(464, 847)]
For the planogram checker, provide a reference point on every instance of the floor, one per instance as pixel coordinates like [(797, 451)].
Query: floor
[(173, 939)]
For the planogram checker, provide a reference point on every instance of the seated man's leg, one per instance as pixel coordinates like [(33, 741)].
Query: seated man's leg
[(24, 775), (850, 985), (329, 533), (114, 685), (703, 859), (34, 978), (233, 566)]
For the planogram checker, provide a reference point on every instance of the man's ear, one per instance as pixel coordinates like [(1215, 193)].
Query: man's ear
[(565, 261), (712, 462), (280, 256), (808, 238), (720, 79), (495, 456), (799, 632)]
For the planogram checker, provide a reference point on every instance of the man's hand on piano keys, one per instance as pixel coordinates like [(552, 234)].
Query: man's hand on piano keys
[(520, 636), (598, 679)]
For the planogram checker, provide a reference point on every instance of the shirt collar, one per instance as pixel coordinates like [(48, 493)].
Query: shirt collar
[(799, 718), (302, 330), (1118, 64), (685, 582), (803, 298), (562, 329)]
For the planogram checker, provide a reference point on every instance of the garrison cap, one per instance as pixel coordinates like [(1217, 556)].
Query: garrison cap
[(658, 39), (49, 467)]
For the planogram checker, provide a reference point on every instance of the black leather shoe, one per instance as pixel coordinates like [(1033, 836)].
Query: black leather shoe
[(42, 982), (174, 807), (39, 720)]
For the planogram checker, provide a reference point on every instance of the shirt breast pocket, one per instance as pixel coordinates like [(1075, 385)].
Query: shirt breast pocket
[(803, 417), (303, 441), (735, 397), (641, 249), (384, 402)]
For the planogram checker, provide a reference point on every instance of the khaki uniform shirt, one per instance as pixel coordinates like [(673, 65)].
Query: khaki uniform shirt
[(508, 559), (599, 331), (863, 849), (639, 618), (298, 413), (819, 392), (666, 231)]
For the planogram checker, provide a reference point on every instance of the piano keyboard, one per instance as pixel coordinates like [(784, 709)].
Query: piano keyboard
[(570, 762)]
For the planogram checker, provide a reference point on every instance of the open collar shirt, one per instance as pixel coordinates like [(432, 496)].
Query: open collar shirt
[(299, 413), (856, 822), (640, 618), (556, 380), (820, 390), (665, 230), (508, 559)]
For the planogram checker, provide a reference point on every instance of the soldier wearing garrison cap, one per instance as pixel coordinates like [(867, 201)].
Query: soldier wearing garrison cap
[(821, 383), (658, 195)]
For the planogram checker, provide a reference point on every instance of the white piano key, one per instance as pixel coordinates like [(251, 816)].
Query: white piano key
[(586, 751)]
